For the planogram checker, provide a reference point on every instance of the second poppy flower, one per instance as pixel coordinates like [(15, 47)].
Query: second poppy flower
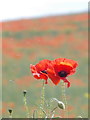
[(61, 68)]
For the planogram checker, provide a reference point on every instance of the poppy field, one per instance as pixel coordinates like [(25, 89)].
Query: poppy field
[(29, 41)]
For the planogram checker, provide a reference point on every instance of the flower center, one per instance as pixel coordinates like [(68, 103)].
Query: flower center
[(43, 71), (62, 73)]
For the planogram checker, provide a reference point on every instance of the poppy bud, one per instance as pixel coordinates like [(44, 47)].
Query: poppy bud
[(79, 117), (10, 111), (61, 105), (24, 92)]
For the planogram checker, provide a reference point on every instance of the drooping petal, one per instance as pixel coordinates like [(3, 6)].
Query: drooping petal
[(54, 79), (51, 74), (66, 81)]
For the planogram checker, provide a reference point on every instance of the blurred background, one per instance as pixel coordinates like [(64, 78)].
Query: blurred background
[(33, 30)]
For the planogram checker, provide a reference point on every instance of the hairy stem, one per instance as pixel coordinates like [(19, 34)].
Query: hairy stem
[(26, 107), (64, 99), (10, 115), (54, 109), (42, 100)]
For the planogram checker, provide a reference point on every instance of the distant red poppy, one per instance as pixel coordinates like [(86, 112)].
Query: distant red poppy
[(39, 70), (61, 68)]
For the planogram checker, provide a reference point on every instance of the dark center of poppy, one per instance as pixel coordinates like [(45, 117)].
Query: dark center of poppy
[(62, 73), (43, 71)]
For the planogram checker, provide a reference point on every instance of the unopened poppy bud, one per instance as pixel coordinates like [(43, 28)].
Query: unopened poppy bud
[(24, 92), (10, 111), (61, 105)]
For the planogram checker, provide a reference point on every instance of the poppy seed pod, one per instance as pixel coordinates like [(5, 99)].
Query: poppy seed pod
[(10, 111), (24, 92), (61, 105)]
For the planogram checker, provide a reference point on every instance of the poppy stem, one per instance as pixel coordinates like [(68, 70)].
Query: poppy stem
[(42, 100), (64, 98), (54, 109), (10, 116), (34, 114), (26, 107)]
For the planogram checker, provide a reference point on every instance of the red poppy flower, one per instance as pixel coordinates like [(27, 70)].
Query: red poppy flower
[(39, 70), (61, 68)]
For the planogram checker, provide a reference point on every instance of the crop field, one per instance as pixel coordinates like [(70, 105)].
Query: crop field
[(27, 41)]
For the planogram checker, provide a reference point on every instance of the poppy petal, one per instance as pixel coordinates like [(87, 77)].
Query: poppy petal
[(51, 73), (42, 65), (33, 68), (38, 74), (54, 79), (66, 81), (72, 62)]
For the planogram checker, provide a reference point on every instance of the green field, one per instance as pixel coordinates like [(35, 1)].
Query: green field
[(27, 42)]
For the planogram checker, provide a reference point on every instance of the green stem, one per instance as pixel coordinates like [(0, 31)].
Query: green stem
[(64, 99), (25, 104), (34, 114), (42, 100), (10, 116), (54, 109)]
